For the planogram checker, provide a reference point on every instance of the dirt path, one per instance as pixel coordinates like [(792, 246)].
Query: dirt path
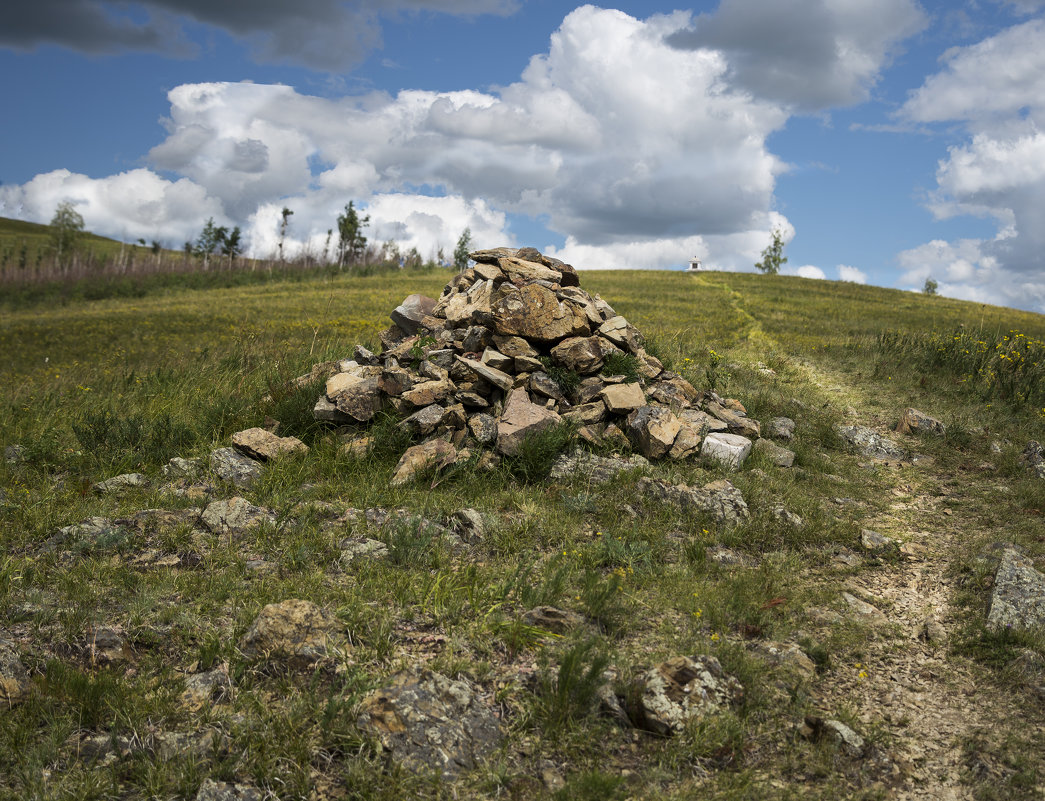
[(935, 714)]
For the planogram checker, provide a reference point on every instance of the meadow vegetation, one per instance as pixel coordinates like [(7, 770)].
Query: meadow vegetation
[(93, 388)]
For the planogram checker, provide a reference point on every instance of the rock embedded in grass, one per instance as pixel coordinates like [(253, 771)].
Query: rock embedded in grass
[(913, 421), (428, 722), (294, 632), (14, 680), (667, 698), (1018, 599), (257, 443)]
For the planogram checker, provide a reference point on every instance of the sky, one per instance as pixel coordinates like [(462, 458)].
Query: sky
[(888, 141)]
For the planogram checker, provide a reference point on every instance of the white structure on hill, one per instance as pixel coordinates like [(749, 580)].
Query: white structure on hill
[(694, 266)]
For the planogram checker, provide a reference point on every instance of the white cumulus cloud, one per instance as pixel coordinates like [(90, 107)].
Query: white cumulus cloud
[(851, 274), (996, 89)]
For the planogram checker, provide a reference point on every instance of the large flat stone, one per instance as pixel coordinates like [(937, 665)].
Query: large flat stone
[(522, 418)]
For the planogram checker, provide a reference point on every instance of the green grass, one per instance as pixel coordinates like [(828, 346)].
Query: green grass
[(96, 387)]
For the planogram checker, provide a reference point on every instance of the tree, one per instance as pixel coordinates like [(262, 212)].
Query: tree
[(209, 241), (284, 223), (464, 246), (930, 286), (773, 256), (351, 242), (231, 245), (66, 230)]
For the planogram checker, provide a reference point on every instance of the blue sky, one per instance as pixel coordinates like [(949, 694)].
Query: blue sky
[(889, 140)]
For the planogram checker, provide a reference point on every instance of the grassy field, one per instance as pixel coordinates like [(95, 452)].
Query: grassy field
[(95, 388)]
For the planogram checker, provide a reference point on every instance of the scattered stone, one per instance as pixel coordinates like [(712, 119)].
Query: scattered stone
[(14, 454), (14, 681), (424, 421), (913, 421), (720, 499), (295, 632), (1033, 458), (435, 453), (727, 557), (469, 525), (498, 378), (594, 469), (774, 454), (864, 610), (429, 722), (1018, 599), (232, 466), (182, 468), (120, 483), (873, 541), (834, 731), (234, 516), (781, 428), (870, 442), (737, 422), (932, 632), (206, 688), (365, 548), (788, 518), (211, 790), (257, 443), (729, 450), (583, 355), (788, 655), (666, 698), (550, 618)]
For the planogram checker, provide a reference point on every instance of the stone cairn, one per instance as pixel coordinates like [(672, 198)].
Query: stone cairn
[(472, 370)]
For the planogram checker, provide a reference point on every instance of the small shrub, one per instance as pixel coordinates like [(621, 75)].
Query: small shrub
[(624, 364), (568, 693), (538, 452), (568, 380), (113, 439), (292, 405), (603, 599)]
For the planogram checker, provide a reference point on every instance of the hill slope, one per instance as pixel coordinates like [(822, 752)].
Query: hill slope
[(135, 630)]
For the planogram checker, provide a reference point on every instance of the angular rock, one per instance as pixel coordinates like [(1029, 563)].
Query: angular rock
[(652, 430), (587, 414), (622, 398), (257, 443), (580, 354), (514, 346), (719, 498), (873, 541), (870, 442), (774, 454), (468, 524), (359, 400), (434, 453), (14, 681), (471, 306), (738, 424), (542, 384), (687, 442), (781, 428), (232, 466), (553, 619), (621, 333), (666, 698), (729, 450), (789, 655), (426, 393), (178, 467), (533, 312), (409, 314), (234, 515), (497, 360), (211, 790), (428, 722), (1033, 458), (394, 381), (864, 610), (327, 412), (294, 632), (703, 421), (521, 419), (1018, 599), (499, 379), (836, 732), (121, 483), (594, 469), (483, 428), (913, 421), (424, 421)]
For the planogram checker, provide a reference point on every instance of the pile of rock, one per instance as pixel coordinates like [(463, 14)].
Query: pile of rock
[(482, 367)]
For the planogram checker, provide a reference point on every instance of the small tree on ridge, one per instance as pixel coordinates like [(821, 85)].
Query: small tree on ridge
[(773, 256)]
